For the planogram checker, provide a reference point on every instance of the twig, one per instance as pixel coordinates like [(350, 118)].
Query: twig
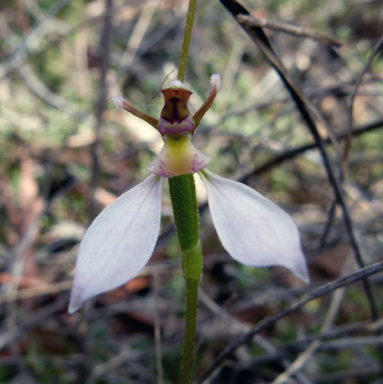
[(19, 251), (43, 92), (290, 29), (36, 291), (116, 361), (351, 375), (339, 332), (352, 342), (271, 319), (330, 218), (330, 345), (358, 374), (138, 33), (244, 105), (229, 75)]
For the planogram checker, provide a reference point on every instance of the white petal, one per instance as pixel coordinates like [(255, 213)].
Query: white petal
[(252, 229), (119, 242)]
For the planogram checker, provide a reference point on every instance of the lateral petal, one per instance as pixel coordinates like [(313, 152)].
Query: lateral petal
[(252, 229), (118, 243)]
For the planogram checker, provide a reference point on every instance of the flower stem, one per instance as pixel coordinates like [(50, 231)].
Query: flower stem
[(190, 329), (185, 210), (187, 36), (184, 202)]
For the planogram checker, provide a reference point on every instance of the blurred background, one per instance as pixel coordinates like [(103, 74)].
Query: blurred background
[(67, 152)]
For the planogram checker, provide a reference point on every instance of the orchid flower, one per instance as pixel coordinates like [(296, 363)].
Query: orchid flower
[(121, 240)]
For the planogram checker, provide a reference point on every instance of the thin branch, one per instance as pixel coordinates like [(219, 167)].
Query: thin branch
[(290, 29), (43, 92), (347, 375), (46, 289), (329, 222), (138, 34)]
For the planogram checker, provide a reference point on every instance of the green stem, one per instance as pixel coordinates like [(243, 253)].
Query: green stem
[(185, 209), (190, 329), (187, 36), (184, 202)]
